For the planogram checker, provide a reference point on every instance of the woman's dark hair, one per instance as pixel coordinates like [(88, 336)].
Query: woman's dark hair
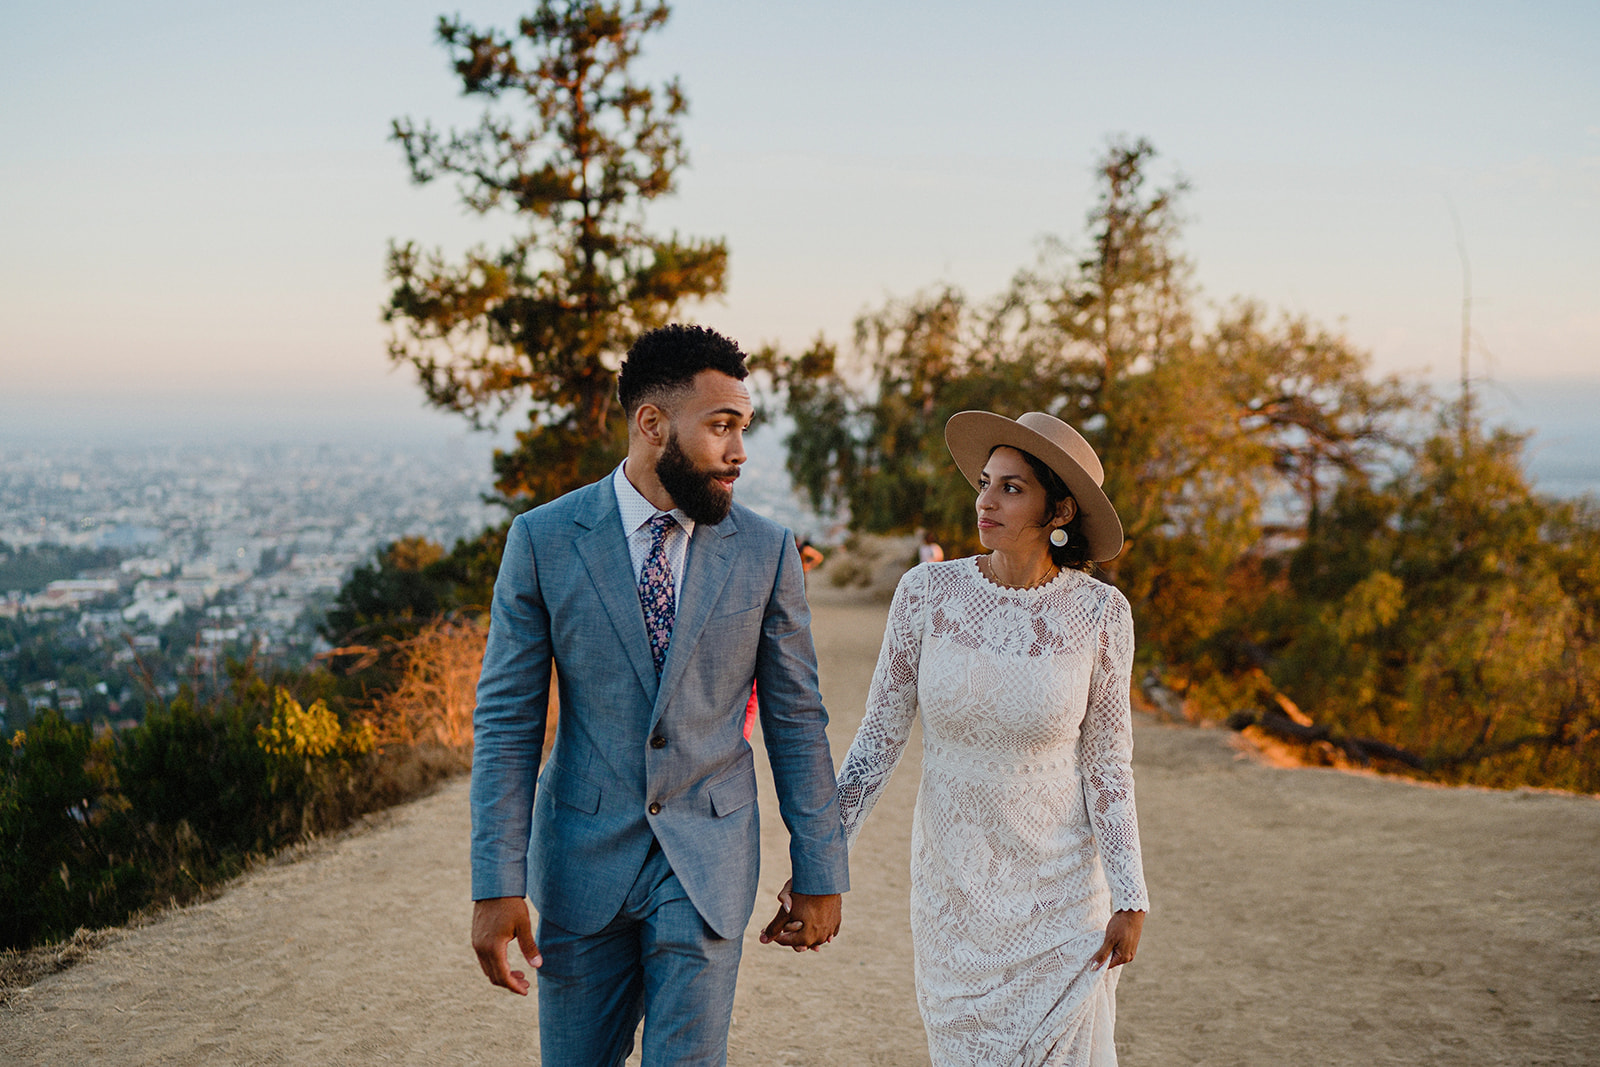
[(667, 359), (1074, 555)]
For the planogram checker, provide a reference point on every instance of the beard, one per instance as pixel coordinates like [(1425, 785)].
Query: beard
[(695, 491)]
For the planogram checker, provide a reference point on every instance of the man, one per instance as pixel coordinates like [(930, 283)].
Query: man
[(658, 600)]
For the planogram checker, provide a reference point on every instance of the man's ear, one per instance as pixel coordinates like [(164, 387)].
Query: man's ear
[(651, 423)]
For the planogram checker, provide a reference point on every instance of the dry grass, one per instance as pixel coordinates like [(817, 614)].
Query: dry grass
[(20, 968), (434, 701)]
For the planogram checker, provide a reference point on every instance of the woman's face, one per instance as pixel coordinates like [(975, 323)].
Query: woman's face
[(1012, 506)]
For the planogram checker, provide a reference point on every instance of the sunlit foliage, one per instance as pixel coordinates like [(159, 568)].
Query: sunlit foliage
[(310, 732), (573, 147), (96, 827), (1290, 534)]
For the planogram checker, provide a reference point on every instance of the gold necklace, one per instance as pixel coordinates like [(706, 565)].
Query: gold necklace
[(986, 567)]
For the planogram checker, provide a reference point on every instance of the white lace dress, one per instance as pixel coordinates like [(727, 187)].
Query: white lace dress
[(1024, 838)]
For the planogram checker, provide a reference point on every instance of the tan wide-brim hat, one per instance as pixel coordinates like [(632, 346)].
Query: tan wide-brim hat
[(972, 435)]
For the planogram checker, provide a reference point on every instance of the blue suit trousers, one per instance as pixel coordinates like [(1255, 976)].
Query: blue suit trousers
[(657, 960)]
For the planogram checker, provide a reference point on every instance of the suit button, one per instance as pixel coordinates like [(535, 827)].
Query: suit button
[(655, 809), (658, 741)]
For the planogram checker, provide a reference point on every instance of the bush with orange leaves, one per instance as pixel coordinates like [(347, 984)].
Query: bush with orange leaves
[(437, 692), (434, 701)]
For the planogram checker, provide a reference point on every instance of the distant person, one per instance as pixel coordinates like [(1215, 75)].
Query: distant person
[(810, 555), (929, 551), (661, 601), (1026, 882)]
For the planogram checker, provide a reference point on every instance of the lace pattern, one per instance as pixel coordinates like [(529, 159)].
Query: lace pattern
[(1025, 836)]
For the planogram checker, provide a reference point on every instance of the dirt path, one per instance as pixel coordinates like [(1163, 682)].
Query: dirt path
[(1300, 916)]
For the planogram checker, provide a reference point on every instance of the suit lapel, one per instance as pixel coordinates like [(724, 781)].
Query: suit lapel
[(710, 563), (604, 551)]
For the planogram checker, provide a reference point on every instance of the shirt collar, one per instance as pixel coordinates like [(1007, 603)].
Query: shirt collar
[(635, 510)]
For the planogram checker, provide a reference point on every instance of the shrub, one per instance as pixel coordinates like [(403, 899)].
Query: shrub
[(438, 686), (93, 830), (59, 862)]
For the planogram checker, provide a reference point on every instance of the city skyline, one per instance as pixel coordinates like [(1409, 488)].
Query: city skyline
[(199, 199)]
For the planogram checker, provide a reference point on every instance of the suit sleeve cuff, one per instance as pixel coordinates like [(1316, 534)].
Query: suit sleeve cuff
[(509, 880)]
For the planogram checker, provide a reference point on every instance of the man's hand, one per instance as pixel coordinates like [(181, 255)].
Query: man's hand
[(803, 921), (495, 922)]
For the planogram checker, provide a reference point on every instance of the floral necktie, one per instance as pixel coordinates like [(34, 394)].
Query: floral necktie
[(655, 590)]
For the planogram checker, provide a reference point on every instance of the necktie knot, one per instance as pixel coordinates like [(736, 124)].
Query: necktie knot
[(660, 526)]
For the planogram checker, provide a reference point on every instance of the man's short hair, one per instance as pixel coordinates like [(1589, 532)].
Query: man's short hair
[(665, 360)]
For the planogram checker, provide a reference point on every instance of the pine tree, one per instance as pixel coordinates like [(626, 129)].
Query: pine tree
[(574, 147)]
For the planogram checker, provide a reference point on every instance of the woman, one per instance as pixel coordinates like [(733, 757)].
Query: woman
[(1027, 888)]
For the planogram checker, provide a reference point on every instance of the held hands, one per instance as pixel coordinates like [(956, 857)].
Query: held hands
[(1122, 940), (495, 922), (803, 921)]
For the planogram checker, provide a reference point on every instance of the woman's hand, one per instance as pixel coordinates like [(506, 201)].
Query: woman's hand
[(787, 927), (1122, 940), (784, 922)]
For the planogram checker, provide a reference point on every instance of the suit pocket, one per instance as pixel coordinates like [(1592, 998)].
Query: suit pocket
[(731, 794), (575, 792), (736, 610)]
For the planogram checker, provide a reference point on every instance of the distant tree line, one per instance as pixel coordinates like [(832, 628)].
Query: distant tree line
[(1309, 549), (32, 567), (48, 648)]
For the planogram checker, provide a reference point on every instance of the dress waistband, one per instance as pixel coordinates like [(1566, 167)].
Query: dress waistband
[(966, 764)]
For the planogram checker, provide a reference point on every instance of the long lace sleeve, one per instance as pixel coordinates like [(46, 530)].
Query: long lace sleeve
[(891, 707), (1107, 758)]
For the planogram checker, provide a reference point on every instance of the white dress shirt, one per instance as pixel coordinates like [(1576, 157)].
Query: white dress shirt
[(636, 514)]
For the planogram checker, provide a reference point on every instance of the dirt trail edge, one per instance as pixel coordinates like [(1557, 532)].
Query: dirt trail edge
[(1299, 916)]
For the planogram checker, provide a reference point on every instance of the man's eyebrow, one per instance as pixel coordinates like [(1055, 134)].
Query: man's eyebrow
[(735, 412)]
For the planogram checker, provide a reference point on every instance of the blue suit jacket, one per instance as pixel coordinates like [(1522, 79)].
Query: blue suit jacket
[(566, 596)]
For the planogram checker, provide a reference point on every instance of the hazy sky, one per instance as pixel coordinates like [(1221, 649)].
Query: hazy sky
[(195, 198)]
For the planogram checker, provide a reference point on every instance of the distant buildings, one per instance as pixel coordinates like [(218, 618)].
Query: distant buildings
[(70, 592), (230, 550)]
